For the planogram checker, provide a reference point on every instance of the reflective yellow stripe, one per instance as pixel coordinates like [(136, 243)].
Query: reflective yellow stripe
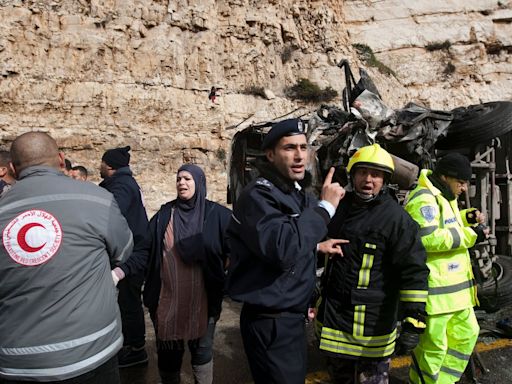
[(358, 328), (356, 350), (414, 296), (373, 341), (417, 324), (364, 272), (371, 246)]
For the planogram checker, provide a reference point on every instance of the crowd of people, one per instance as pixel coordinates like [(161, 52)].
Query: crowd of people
[(393, 277)]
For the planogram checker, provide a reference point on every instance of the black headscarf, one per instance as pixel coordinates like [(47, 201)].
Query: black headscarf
[(189, 217)]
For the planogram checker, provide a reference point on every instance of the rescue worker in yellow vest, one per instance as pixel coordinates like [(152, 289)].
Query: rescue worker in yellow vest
[(447, 233), (383, 264)]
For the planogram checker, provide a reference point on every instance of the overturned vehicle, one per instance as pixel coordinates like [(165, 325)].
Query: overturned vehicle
[(416, 136)]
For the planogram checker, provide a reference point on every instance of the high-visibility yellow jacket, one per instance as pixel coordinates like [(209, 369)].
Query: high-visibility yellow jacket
[(446, 236)]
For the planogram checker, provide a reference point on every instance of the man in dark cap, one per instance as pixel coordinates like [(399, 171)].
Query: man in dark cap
[(446, 233), (118, 179), (274, 233)]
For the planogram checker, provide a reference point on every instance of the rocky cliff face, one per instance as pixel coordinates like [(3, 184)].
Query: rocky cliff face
[(104, 73)]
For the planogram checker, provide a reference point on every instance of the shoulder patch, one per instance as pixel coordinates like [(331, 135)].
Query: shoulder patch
[(428, 212), (264, 182)]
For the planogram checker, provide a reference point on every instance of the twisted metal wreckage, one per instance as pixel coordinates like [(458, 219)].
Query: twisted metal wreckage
[(415, 136)]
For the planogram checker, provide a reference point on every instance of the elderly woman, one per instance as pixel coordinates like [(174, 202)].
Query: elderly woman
[(184, 255)]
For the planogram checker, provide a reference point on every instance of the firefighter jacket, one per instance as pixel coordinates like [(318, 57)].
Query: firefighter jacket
[(58, 309), (383, 264), (446, 236), (273, 236)]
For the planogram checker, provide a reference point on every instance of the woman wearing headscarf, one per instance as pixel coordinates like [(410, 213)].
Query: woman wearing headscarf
[(184, 256)]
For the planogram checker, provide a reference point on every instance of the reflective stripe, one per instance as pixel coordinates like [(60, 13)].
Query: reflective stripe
[(458, 355), (452, 372), (373, 341), (371, 246), (413, 296), (65, 370), (451, 288), (456, 238), (57, 197), (236, 220), (427, 230), (357, 350), (364, 272), (58, 346), (128, 245), (425, 374), (358, 327), (420, 193)]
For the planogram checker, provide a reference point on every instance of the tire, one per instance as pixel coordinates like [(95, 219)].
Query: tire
[(492, 299), (476, 124)]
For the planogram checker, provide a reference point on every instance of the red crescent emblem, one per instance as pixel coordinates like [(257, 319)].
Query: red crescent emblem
[(22, 241)]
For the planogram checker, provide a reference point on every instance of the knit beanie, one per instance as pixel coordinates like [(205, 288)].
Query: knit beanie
[(117, 157), (454, 165)]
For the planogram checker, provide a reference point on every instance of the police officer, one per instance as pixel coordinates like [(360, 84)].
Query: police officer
[(274, 232), (446, 233), (383, 264)]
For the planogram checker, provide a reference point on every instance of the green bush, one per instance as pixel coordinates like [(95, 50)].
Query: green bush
[(309, 91), (367, 56), (254, 90), (437, 46)]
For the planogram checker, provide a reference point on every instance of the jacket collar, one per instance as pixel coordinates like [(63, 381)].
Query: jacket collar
[(432, 182), (442, 186), (123, 171), (269, 172), (38, 170)]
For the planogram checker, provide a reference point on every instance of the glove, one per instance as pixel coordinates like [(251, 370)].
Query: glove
[(480, 233), (471, 215), (410, 335), (117, 275)]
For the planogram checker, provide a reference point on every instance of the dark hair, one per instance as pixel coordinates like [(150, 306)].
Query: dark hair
[(81, 169), (68, 164), (5, 158)]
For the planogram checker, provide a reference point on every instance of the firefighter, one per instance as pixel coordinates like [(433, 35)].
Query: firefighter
[(446, 233), (383, 264)]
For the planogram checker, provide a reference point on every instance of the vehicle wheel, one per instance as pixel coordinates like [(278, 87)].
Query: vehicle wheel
[(477, 123), (496, 293)]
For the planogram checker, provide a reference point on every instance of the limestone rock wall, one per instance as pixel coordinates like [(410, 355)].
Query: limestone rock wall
[(97, 74), (445, 53)]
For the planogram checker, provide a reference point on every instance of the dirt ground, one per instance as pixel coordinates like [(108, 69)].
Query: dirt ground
[(230, 364)]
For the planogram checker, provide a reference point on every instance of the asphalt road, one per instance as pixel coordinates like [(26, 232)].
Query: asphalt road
[(230, 364)]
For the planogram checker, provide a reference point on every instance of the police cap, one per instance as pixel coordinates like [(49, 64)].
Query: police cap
[(289, 127)]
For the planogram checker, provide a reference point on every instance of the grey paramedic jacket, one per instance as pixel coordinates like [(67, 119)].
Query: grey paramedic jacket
[(58, 310)]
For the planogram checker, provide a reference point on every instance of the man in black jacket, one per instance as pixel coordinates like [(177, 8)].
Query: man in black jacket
[(118, 179), (274, 232)]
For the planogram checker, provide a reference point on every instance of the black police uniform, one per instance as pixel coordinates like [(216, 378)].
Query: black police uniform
[(273, 236)]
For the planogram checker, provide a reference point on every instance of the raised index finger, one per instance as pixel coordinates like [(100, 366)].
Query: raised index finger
[(328, 178)]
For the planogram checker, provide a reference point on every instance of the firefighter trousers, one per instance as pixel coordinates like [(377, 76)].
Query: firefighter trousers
[(445, 347)]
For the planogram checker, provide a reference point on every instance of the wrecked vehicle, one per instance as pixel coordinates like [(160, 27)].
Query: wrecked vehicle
[(415, 136)]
